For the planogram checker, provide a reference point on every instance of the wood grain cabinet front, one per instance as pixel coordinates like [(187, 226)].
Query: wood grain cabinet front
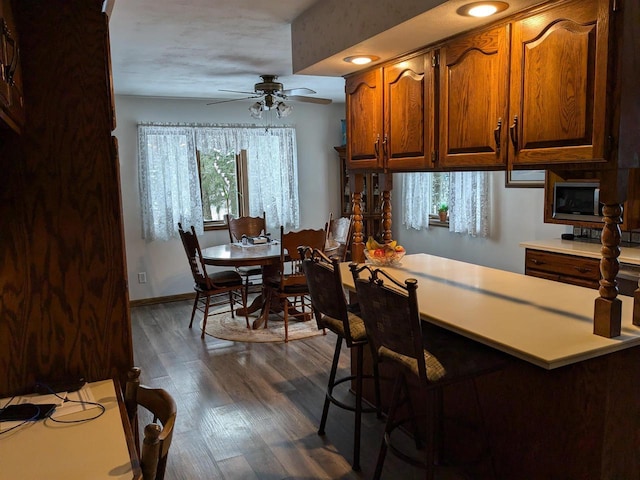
[(560, 67), (474, 73), (390, 116), (11, 100), (581, 271)]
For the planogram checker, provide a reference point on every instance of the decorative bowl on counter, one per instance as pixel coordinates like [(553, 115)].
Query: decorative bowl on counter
[(384, 257)]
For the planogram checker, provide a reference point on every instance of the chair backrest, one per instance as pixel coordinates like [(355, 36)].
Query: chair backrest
[(194, 255), (390, 313), (324, 282), (249, 226), (155, 448), (290, 262), (340, 230)]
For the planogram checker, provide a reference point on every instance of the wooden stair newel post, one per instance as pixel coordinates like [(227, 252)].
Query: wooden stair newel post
[(386, 183), (356, 184), (607, 315)]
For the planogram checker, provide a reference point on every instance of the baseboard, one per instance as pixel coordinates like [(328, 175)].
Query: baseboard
[(169, 298)]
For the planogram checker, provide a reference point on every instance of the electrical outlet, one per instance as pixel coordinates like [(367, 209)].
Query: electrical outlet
[(142, 277)]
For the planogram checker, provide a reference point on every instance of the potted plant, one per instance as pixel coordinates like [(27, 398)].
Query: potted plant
[(443, 212)]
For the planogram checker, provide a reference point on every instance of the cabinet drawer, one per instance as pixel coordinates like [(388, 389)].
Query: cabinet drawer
[(563, 265)]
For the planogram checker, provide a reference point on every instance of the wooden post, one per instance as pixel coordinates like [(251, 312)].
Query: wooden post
[(356, 185), (608, 309), (386, 184)]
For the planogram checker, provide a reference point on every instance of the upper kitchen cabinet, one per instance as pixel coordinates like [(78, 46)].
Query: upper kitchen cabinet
[(474, 83), (558, 94), (11, 100), (390, 116), (364, 119)]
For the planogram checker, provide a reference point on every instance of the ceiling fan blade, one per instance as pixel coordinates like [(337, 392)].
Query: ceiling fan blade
[(232, 100), (298, 91), (300, 98), (237, 91)]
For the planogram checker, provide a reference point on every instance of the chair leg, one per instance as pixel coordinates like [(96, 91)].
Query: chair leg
[(243, 293), (286, 319), (395, 400), (376, 386), (332, 379), (358, 420), (195, 306), (232, 304), (206, 315)]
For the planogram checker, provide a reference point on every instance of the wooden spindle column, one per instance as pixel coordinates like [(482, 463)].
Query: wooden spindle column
[(386, 184), (608, 308), (356, 185)]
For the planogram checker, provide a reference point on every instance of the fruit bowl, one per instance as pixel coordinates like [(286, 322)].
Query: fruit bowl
[(389, 259)]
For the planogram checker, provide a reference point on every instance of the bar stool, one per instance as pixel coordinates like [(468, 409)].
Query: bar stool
[(390, 312), (332, 313)]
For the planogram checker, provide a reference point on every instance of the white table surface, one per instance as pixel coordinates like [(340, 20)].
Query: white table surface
[(91, 450), (546, 323)]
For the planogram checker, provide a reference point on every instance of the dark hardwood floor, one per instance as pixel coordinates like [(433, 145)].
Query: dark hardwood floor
[(251, 410)]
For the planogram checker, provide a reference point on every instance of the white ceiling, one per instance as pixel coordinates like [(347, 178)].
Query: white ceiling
[(194, 48)]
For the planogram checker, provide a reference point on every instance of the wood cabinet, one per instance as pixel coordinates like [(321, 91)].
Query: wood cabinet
[(559, 267), (474, 73), (11, 100), (560, 65), (391, 114), (371, 199)]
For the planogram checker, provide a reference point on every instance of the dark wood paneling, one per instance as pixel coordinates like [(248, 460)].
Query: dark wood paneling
[(64, 307)]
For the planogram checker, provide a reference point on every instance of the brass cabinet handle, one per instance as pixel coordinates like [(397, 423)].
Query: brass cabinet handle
[(535, 261), (12, 46), (384, 146), (513, 132), (496, 135)]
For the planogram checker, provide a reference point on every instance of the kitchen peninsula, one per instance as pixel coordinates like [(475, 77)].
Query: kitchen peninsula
[(567, 406)]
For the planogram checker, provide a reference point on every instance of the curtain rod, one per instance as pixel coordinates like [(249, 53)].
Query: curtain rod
[(211, 125)]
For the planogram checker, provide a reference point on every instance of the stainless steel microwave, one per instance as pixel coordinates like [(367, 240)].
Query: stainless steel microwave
[(579, 201)]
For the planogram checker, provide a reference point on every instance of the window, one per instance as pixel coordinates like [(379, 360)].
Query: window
[(223, 185), (465, 193), (176, 186)]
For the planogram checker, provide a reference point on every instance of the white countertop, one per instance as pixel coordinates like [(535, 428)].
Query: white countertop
[(549, 324), (582, 249)]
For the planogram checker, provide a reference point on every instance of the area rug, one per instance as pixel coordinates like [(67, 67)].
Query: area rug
[(224, 327)]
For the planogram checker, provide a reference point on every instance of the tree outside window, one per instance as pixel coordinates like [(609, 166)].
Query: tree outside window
[(219, 185)]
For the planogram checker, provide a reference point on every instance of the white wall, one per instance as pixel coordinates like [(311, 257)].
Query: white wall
[(516, 215), (318, 131)]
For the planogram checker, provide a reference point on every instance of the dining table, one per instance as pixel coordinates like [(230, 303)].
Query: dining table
[(266, 255)]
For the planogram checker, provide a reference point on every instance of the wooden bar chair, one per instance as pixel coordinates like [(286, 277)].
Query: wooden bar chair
[(251, 227), (212, 289), (287, 289), (157, 435), (430, 358), (339, 231), (331, 311)]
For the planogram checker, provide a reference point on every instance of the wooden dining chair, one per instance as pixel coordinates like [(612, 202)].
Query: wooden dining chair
[(426, 356), (332, 313), (339, 231), (287, 290), (212, 289), (158, 434), (251, 227)]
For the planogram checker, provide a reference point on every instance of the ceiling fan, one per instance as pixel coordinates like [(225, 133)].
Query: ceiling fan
[(272, 96)]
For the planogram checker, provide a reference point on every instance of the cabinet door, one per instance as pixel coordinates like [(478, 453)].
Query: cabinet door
[(558, 85), (364, 119), (409, 114), (474, 80)]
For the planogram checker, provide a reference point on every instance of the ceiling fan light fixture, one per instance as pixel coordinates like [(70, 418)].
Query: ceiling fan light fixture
[(283, 110), (482, 9), (361, 59), (256, 110)]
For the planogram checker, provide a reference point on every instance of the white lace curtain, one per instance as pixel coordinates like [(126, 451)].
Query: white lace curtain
[(168, 172), (468, 201)]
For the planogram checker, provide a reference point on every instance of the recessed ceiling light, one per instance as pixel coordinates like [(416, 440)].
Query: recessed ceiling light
[(482, 9), (361, 59)]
